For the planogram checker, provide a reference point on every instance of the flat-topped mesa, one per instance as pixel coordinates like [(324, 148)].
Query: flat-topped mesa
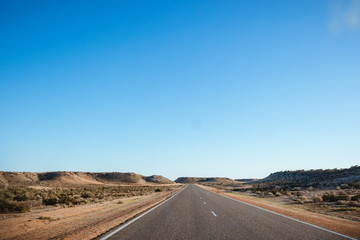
[(247, 180), (158, 179), (218, 180), (66, 179)]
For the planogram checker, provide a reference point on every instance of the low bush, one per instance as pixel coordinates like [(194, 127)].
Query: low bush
[(47, 218), (50, 201), (354, 204), (317, 199), (334, 198), (158, 190), (87, 195), (7, 195), (278, 194), (9, 206), (356, 184), (298, 194), (342, 202), (356, 198)]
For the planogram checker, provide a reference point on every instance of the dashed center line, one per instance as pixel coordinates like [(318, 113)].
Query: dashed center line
[(213, 213), (204, 202), (200, 197)]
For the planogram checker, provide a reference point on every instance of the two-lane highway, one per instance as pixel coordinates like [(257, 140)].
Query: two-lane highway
[(195, 213)]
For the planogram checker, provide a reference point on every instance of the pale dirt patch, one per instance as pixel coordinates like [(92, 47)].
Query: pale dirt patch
[(340, 225), (80, 222)]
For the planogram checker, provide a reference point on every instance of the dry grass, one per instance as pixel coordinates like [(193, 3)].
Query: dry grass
[(83, 221)]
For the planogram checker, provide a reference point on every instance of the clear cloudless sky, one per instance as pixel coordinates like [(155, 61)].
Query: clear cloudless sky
[(236, 89)]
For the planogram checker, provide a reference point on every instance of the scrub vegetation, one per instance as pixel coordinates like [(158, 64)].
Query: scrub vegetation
[(23, 199), (333, 192)]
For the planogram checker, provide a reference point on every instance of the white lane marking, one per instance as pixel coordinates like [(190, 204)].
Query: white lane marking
[(127, 224), (213, 213), (200, 197), (204, 202), (309, 224)]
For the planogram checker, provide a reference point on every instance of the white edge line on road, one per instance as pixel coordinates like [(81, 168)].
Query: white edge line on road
[(309, 224), (130, 222), (213, 213)]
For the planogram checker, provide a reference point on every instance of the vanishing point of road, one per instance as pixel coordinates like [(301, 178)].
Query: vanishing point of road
[(196, 213)]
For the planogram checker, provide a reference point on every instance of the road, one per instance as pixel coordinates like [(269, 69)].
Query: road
[(196, 213)]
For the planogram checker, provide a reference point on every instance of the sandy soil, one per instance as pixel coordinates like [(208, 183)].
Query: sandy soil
[(80, 222), (340, 225)]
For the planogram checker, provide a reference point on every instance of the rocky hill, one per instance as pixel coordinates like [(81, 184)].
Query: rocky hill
[(315, 178), (59, 179)]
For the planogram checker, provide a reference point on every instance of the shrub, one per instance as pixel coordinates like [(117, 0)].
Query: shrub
[(304, 199), (334, 198), (356, 184), (270, 194), (158, 190), (8, 206), (237, 189), (353, 204), (50, 201), (65, 199), (8, 195), (355, 198), (299, 201), (273, 191), (23, 196), (278, 194), (87, 195), (342, 202), (47, 218), (317, 199)]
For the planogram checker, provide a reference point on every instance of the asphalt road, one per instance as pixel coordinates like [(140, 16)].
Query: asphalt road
[(195, 213)]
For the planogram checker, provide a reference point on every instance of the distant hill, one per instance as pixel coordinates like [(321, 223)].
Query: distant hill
[(315, 178), (246, 180), (215, 180), (59, 179)]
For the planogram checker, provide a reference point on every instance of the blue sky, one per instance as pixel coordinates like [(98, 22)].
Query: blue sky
[(179, 88)]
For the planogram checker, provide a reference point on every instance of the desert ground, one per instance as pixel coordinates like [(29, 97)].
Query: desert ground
[(77, 205), (67, 205)]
